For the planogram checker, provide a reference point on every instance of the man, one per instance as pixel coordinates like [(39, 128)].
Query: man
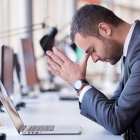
[(105, 37)]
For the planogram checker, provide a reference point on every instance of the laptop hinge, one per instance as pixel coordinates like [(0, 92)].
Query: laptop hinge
[(22, 128)]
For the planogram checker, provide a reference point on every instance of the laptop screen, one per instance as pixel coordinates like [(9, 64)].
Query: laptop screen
[(10, 108)]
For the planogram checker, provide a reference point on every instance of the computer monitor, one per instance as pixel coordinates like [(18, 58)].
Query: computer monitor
[(28, 63), (7, 72), (7, 67)]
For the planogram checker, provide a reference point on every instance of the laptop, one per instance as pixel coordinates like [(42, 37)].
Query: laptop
[(33, 129)]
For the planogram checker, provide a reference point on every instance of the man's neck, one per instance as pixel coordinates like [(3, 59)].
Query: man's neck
[(122, 32)]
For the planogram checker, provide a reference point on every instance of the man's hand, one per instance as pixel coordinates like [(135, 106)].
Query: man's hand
[(62, 66)]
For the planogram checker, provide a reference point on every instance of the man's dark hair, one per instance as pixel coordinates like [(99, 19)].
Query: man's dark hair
[(87, 19)]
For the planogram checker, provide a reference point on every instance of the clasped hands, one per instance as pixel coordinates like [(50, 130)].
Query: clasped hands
[(62, 66)]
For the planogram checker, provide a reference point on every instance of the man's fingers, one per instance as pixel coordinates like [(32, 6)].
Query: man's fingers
[(54, 57), (53, 64), (60, 54), (53, 70), (85, 59)]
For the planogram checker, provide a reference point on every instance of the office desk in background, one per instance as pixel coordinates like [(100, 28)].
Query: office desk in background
[(48, 109)]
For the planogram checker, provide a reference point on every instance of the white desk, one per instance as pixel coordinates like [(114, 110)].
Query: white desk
[(50, 110)]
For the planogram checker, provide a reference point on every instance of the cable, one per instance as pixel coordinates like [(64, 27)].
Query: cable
[(55, 24), (20, 28), (43, 24), (15, 34)]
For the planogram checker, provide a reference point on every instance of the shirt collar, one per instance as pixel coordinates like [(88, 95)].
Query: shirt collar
[(126, 44)]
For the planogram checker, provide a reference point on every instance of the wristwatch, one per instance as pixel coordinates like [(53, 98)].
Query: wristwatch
[(79, 84)]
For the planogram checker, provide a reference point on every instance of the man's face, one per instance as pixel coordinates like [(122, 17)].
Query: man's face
[(105, 50)]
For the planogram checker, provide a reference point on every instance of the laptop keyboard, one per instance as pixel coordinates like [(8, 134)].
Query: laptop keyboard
[(42, 128)]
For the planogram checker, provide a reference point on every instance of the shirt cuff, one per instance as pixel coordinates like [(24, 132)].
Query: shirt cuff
[(84, 90)]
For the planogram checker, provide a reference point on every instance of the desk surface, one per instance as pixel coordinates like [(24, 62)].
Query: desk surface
[(48, 109)]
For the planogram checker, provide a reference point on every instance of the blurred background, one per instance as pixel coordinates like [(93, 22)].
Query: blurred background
[(35, 18)]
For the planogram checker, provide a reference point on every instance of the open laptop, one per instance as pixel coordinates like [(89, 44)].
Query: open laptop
[(34, 129)]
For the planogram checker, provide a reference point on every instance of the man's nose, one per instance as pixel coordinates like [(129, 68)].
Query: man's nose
[(95, 57)]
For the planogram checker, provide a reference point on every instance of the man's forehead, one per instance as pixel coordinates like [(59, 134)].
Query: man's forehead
[(78, 36), (82, 41), (79, 39)]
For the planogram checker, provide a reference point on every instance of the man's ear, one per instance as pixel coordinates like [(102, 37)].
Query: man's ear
[(104, 29)]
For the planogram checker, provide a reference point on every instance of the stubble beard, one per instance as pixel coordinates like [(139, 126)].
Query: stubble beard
[(113, 49)]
